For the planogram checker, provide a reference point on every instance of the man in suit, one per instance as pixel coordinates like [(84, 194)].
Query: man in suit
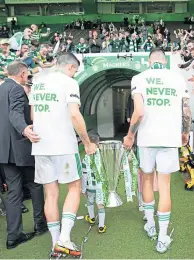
[(16, 135)]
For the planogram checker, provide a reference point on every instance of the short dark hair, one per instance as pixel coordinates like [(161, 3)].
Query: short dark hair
[(16, 68), (156, 50), (68, 58)]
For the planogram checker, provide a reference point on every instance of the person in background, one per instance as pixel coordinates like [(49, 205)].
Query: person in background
[(95, 43), (41, 57), (106, 45), (69, 45), (15, 156), (50, 55), (148, 45), (13, 24), (116, 43), (20, 38), (36, 35), (90, 192), (34, 49), (82, 47), (188, 64), (26, 57), (6, 57)]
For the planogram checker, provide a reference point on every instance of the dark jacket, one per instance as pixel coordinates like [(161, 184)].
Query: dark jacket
[(95, 48), (14, 118)]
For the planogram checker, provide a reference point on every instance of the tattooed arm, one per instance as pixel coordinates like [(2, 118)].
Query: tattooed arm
[(186, 116), (135, 120)]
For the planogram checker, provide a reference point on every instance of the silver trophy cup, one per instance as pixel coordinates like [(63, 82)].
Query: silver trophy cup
[(112, 154)]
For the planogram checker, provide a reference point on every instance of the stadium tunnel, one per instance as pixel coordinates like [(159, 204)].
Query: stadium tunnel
[(104, 98)]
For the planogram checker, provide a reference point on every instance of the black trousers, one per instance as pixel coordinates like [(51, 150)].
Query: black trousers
[(14, 179), (2, 178)]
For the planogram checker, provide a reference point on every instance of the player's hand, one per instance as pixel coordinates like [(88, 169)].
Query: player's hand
[(90, 148), (185, 139), (31, 135), (128, 141)]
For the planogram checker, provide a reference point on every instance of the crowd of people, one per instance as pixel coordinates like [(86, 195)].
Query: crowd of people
[(38, 53), (51, 163)]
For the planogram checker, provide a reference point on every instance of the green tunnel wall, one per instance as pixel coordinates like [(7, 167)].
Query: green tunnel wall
[(26, 20)]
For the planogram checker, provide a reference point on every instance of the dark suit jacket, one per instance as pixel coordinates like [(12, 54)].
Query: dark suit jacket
[(14, 118)]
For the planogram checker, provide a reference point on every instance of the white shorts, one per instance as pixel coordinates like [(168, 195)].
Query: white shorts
[(61, 168), (164, 160)]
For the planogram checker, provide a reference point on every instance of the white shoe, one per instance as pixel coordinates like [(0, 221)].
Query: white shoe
[(151, 232), (141, 208), (163, 244)]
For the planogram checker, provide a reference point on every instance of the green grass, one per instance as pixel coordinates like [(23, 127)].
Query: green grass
[(124, 238)]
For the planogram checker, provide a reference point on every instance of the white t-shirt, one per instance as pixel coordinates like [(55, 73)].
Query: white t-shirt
[(162, 91), (50, 96)]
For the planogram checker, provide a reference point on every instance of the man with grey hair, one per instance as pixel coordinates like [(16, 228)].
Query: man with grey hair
[(16, 135), (55, 108)]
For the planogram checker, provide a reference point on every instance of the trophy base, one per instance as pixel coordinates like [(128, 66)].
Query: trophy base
[(114, 200)]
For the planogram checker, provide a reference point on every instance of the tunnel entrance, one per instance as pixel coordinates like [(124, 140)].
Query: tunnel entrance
[(105, 84), (104, 99)]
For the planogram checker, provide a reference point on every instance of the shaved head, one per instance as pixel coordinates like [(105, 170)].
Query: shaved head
[(157, 55)]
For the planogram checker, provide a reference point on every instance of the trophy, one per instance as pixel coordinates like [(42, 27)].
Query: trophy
[(112, 154)]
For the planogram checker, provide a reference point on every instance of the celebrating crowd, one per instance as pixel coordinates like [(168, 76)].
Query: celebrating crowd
[(38, 145)]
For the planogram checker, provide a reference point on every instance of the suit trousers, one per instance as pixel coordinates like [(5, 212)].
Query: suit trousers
[(14, 179), (2, 178)]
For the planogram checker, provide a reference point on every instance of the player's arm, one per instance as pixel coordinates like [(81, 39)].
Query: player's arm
[(186, 116), (137, 115)]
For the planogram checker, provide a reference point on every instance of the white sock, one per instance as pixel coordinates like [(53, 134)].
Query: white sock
[(91, 211), (68, 220), (140, 198), (149, 213), (54, 228), (164, 219), (101, 217), (90, 204)]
